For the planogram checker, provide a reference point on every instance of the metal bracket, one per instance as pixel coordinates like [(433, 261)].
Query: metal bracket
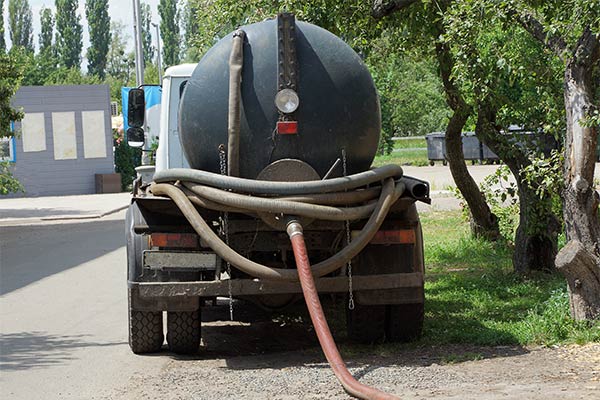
[(286, 51), (287, 71)]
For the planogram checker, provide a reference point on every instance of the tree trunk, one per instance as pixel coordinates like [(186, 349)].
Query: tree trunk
[(580, 207), (483, 222), (537, 233), (535, 247)]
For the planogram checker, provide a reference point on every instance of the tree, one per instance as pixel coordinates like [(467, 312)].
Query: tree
[(571, 31), (506, 75), (119, 64), (69, 33), (192, 30), (169, 31), (2, 40), (426, 26), (146, 25), (47, 30), (19, 24), (11, 71), (96, 12)]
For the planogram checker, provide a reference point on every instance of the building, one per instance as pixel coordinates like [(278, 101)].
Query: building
[(63, 141)]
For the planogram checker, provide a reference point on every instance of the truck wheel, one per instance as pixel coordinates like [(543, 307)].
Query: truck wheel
[(366, 324), (183, 331), (404, 322), (145, 330)]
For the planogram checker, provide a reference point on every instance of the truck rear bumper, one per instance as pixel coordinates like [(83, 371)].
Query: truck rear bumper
[(374, 286)]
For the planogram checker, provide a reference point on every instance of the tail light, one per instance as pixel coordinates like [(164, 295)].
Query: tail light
[(174, 240)]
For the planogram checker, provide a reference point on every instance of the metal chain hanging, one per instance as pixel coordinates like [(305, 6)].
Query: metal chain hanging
[(223, 167), (348, 240)]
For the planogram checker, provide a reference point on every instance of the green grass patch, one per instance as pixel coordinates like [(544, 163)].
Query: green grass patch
[(472, 295), (416, 157), (410, 143)]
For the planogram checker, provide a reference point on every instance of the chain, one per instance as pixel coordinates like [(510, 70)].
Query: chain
[(223, 167), (348, 239)]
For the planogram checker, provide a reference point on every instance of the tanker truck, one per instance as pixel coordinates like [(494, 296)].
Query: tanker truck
[(264, 192)]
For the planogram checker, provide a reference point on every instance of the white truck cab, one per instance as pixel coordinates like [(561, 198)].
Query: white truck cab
[(169, 153)]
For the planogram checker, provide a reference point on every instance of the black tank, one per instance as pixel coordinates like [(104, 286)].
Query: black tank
[(339, 106)]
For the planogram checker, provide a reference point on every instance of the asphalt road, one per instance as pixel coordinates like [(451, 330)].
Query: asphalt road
[(63, 329)]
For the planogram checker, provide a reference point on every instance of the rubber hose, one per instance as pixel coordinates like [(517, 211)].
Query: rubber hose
[(278, 188), (337, 198), (239, 201), (389, 194), (417, 188), (311, 297), (236, 61)]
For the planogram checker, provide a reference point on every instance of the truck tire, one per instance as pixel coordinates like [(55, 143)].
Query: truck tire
[(404, 322), (183, 331), (145, 330), (366, 324)]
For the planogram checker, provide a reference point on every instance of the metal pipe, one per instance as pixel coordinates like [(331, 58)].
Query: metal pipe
[(311, 297), (139, 49), (236, 61)]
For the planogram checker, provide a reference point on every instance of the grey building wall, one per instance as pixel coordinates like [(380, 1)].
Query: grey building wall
[(38, 171)]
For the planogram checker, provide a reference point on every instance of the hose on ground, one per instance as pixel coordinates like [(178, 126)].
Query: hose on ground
[(311, 297), (390, 192)]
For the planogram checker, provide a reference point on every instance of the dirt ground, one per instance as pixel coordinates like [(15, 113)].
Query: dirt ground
[(280, 359)]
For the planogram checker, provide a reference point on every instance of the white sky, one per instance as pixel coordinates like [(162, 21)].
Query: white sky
[(117, 9)]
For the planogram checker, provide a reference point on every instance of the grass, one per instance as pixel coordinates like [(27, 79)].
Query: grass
[(407, 152), (414, 157), (410, 143), (472, 295)]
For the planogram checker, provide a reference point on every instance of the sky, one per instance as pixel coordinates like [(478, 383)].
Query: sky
[(117, 9)]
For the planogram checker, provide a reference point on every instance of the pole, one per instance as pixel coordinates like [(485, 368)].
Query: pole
[(139, 50), (158, 56)]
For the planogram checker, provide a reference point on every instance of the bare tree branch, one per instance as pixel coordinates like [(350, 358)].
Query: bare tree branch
[(382, 8)]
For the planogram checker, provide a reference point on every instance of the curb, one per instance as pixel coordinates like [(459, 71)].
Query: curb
[(58, 219)]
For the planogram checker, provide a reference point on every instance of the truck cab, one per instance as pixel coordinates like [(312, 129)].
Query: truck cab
[(169, 153)]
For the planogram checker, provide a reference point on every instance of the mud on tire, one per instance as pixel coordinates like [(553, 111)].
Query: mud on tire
[(183, 331)]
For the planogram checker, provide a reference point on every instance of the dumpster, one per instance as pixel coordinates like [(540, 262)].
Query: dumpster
[(471, 147), (488, 155), (436, 147)]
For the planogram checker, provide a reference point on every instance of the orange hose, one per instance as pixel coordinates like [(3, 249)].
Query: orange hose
[(311, 296)]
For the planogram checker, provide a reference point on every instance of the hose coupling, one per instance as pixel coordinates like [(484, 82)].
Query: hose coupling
[(294, 228)]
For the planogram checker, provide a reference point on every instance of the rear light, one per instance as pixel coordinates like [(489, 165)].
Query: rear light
[(180, 240), (397, 236), (287, 127)]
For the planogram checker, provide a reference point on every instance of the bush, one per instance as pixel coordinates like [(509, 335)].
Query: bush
[(126, 160)]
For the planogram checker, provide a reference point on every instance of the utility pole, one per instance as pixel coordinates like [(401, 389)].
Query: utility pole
[(158, 56), (139, 49)]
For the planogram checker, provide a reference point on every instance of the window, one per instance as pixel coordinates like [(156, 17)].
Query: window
[(7, 149)]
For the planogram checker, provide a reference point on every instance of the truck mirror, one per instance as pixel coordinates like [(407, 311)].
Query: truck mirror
[(135, 137), (136, 107)]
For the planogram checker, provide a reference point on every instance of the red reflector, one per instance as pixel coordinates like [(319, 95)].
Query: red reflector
[(186, 240), (287, 127), (404, 236)]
